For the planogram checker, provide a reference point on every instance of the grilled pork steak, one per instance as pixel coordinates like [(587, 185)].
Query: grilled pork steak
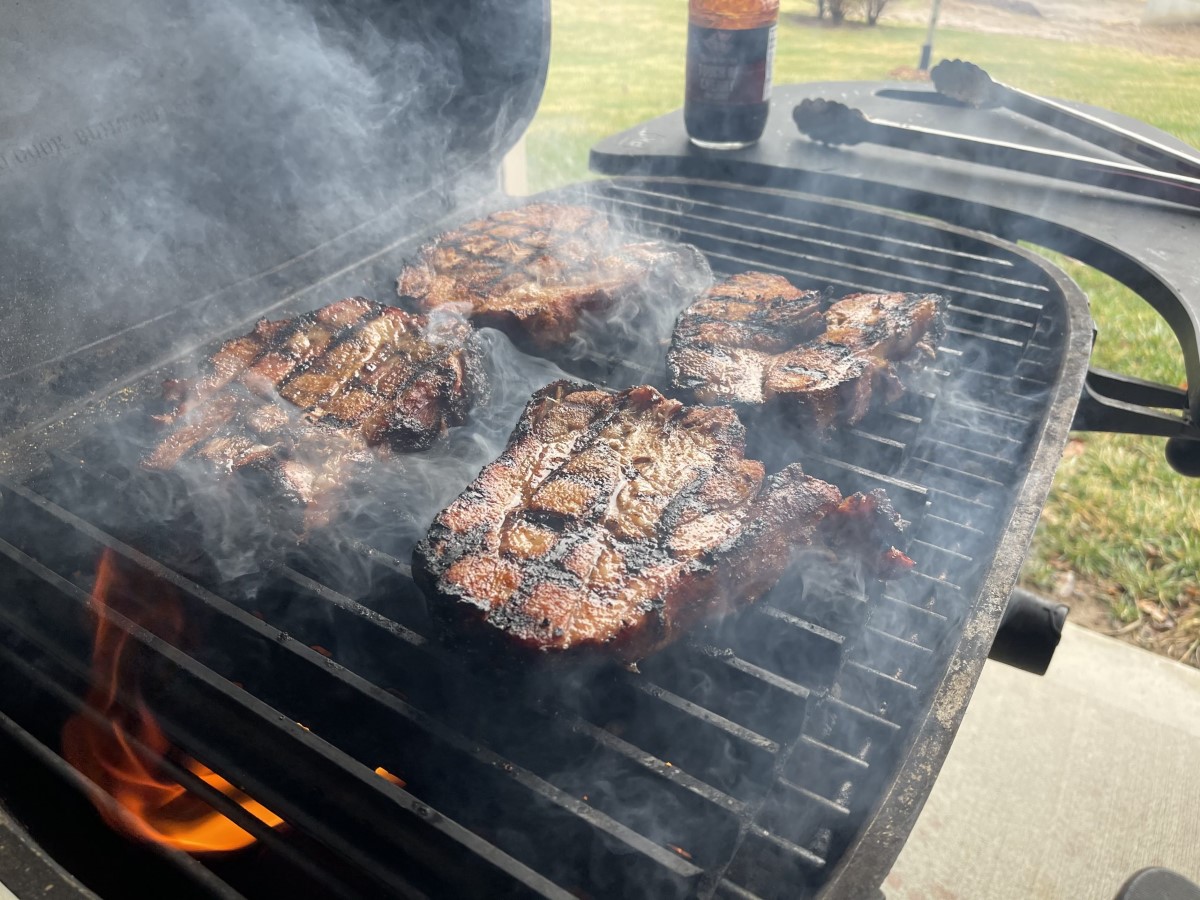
[(539, 271), (614, 522), (755, 339), (300, 399)]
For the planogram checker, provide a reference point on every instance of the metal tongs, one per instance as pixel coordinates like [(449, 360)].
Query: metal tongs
[(835, 123), (968, 83)]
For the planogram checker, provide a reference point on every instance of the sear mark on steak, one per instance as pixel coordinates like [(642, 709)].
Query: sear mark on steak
[(725, 342), (302, 401), (754, 339), (554, 277), (615, 522)]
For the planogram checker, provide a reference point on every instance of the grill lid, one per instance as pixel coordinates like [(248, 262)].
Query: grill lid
[(152, 152)]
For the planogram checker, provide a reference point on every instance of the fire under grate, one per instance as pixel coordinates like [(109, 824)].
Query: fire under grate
[(744, 761)]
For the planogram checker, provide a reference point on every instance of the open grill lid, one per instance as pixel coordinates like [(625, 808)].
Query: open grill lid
[(152, 153)]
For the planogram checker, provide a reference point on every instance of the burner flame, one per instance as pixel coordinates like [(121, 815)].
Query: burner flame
[(121, 749)]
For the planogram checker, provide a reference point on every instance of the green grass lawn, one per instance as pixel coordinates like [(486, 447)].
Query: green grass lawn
[(617, 63), (1118, 518)]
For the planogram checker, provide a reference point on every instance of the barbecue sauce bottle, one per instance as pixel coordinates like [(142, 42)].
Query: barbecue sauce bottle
[(731, 47)]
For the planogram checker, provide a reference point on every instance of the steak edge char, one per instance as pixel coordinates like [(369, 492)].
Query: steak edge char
[(539, 272), (613, 523), (302, 399), (754, 340)]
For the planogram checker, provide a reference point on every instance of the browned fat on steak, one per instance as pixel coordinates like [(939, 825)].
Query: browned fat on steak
[(614, 522), (535, 271), (301, 398), (755, 339)]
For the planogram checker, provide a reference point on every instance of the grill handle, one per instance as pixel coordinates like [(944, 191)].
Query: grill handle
[(1029, 632), (1158, 883), (1128, 405)]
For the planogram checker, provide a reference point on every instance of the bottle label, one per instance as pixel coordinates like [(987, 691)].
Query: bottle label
[(729, 67)]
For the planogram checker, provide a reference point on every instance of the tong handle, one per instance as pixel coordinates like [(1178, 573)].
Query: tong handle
[(967, 83), (1123, 177), (1121, 141)]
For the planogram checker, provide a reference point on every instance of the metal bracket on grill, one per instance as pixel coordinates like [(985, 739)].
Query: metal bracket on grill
[(1128, 405)]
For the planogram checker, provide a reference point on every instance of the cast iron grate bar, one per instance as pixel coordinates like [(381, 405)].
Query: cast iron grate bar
[(730, 201), (864, 244), (557, 717), (766, 243)]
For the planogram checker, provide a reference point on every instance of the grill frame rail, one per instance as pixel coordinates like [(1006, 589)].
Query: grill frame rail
[(824, 802)]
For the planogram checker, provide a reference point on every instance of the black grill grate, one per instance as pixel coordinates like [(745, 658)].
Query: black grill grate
[(745, 761)]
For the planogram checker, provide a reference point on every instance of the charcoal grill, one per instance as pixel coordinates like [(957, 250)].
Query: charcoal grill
[(784, 752), (770, 740)]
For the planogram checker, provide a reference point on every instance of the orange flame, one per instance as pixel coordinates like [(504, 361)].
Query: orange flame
[(104, 747), (388, 776)]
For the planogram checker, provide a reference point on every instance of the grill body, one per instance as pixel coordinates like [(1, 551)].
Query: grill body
[(783, 752)]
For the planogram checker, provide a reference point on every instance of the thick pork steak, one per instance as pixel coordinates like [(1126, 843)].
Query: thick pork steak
[(614, 522), (755, 340), (301, 398), (538, 272)]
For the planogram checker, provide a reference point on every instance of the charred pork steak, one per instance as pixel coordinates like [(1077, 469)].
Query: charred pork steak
[(555, 278), (301, 399), (754, 339), (614, 522)]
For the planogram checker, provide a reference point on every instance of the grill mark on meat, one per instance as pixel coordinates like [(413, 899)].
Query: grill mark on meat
[(437, 396), (755, 340), (304, 400), (613, 522), (534, 272), (192, 430), (266, 356)]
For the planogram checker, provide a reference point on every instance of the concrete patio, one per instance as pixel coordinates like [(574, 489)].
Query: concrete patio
[(1063, 786)]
